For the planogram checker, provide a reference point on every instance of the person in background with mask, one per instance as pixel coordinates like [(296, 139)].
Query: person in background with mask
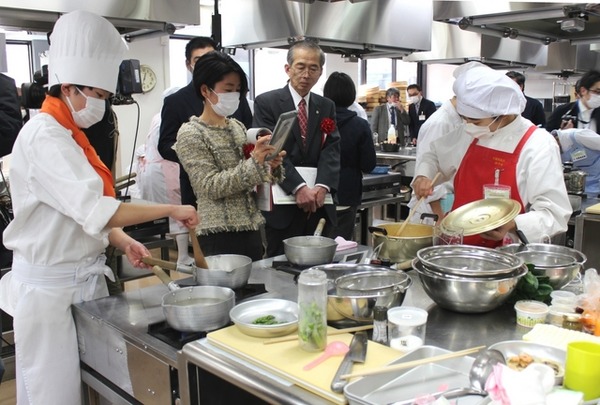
[(390, 113), (582, 113), (213, 151), (65, 211), (185, 103), (419, 110), (534, 110), (496, 137)]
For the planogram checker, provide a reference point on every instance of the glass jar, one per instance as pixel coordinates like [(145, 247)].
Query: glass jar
[(312, 310)]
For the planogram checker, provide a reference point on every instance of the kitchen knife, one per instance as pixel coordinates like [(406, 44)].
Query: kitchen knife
[(356, 354)]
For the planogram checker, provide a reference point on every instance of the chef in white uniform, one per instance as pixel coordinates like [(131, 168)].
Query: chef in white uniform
[(496, 139), (65, 213)]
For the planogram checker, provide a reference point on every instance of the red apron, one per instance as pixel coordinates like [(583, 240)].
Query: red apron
[(476, 169)]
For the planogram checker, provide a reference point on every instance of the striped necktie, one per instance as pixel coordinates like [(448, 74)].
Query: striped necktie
[(302, 120)]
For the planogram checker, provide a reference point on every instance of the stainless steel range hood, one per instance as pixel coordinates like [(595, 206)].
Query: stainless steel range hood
[(452, 45), (133, 18), (368, 28), (566, 60)]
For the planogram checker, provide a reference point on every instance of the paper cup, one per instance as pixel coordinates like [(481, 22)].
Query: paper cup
[(582, 369)]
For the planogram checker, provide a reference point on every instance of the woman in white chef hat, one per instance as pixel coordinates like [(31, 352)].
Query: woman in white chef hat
[(495, 142), (65, 211)]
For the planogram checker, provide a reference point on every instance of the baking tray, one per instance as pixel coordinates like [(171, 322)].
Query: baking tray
[(410, 384)]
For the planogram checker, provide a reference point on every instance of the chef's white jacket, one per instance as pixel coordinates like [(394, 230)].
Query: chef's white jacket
[(540, 178)]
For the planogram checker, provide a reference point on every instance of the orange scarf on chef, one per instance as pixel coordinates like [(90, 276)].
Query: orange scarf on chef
[(61, 113)]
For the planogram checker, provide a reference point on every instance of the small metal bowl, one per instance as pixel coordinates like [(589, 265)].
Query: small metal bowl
[(539, 352), (286, 312)]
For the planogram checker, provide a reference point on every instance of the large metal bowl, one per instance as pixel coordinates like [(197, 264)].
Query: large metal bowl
[(549, 260), (469, 261), (359, 307), (200, 308), (232, 271), (309, 250), (467, 294), (285, 312), (371, 283)]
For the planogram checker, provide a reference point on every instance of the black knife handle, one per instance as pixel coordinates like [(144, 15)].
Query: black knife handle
[(337, 385)]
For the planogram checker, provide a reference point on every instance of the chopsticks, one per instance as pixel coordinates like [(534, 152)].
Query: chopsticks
[(414, 209), (290, 338), (414, 363)]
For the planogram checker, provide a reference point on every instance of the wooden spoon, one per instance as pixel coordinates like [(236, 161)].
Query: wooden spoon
[(414, 209), (198, 255)]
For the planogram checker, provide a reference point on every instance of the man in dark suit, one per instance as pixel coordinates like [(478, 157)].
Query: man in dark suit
[(582, 113), (390, 113), (308, 146), (419, 110), (534, 110), (185, 103)]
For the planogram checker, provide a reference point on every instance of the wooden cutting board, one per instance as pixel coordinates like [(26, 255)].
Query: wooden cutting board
[(287, 359), (593, 209)]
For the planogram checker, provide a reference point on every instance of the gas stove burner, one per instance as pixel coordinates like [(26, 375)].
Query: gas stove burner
[(174, 338)]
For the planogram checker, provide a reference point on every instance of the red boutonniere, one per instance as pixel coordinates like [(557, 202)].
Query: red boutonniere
[(247, 149), (327, 127)]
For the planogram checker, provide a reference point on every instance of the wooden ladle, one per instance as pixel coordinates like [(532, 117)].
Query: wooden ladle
[(414, 209), (198, 255)]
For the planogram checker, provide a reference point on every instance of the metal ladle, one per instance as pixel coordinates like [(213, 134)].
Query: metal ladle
[(481, 369)]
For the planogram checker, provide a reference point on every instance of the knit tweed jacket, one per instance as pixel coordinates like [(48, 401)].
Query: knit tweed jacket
[(222, 178)]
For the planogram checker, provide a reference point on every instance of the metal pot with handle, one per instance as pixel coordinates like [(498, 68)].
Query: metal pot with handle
[(574, 179), (194, 309), (405, 247)]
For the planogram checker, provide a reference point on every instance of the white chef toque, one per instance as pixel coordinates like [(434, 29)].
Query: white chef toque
[(85, 49), (482, 92)]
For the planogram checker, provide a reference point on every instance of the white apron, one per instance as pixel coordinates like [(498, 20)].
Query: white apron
[(39, 298)]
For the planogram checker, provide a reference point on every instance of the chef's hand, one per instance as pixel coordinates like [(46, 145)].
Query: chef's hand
[(500, 232), (262, 149), (135, 251), (306, 200), (422, 186), (186, 214)]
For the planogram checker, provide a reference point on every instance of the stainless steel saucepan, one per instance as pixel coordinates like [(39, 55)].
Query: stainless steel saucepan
[(194, 309)]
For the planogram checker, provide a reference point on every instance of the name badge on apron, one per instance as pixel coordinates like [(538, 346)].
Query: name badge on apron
[(496, 190), (578, 154)]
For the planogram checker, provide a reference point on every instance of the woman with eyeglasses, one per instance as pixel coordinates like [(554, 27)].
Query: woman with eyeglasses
[(213, 151), (498, 153)]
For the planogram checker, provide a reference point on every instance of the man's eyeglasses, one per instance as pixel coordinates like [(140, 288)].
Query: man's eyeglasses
[(595, 91), (312, 70)]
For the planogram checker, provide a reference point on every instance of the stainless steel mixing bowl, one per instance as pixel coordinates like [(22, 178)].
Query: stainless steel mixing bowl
[(467, 294), (309, 250), (550, 260)]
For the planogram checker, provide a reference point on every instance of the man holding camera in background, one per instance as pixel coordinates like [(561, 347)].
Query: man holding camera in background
[(582, 113)]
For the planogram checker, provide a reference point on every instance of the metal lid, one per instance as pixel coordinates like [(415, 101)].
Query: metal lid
[(482, 215)]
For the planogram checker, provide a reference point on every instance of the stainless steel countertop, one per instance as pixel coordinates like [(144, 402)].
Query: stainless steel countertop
[(402, 154), (131, 312)]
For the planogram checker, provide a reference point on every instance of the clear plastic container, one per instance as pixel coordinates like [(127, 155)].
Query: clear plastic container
[(406, 328), (530, 313), (312, 310)]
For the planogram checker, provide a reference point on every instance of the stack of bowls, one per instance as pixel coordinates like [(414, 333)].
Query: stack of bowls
[(355, 295), (468, 279), (560, 264)]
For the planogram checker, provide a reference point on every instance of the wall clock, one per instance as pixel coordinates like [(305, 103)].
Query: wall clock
[(148, 78)]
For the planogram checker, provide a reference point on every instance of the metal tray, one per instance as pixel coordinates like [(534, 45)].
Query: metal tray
[(410, 384)]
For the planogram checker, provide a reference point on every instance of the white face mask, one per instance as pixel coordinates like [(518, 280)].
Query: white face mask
[(228, 103), (476, 131), (594, 101), (415, 99), (89, 115)]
